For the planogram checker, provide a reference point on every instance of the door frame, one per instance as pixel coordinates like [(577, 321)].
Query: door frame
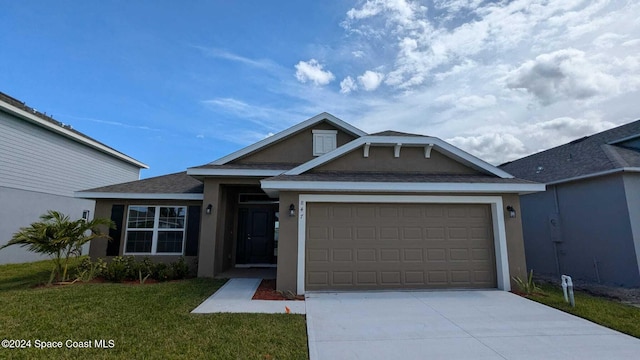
[(497, 218)]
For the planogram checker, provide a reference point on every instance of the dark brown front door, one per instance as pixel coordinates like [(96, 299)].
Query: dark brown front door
[(255, 235)]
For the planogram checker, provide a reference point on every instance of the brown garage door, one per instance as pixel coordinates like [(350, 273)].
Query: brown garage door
[(391, 246)]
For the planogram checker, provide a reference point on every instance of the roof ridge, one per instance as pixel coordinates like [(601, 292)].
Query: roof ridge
[(611, 152)]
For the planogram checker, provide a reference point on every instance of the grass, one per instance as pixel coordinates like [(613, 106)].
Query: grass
[(603, 311), (145, 321)]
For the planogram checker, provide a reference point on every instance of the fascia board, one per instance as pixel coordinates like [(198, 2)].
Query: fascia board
[(139, 196), (234, 172), (399, 186)]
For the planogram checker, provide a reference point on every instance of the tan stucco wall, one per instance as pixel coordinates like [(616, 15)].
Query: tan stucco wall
[(515, 239), (288, 243), (98, 247), (381, 159), (295, 149)]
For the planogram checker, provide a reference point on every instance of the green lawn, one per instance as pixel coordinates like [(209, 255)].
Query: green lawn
[(609, 313), (144, 321)]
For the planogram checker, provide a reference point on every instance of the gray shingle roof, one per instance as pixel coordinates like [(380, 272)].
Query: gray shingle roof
[(397, 177), (585, 156), (177, 183), (395, 133), (260, 166)]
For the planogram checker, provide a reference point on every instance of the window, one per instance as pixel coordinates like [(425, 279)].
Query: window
[(323, 141), (155, 230)]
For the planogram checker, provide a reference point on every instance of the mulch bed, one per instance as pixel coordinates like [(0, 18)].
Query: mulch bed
[(267, 291)]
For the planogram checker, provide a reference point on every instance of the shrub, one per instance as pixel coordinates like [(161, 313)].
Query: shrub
[(180, 268), (61, 238), (121, 268), (527, 287), (88, 270), (127, 268)]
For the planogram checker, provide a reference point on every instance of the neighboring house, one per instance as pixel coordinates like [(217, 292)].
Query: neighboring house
[(587, 223), (42, 163), (332, 208)]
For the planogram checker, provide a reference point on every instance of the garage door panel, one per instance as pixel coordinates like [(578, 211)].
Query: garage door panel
[(378, 247), (459, 255), (364, 255), (367, 277), (318, 255), (413, 255), (365, 233), (412, 233), (342, 255), (436, 254), (389, 233), (434, 233)]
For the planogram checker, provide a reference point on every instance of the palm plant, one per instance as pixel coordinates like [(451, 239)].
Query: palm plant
[(61, 238)]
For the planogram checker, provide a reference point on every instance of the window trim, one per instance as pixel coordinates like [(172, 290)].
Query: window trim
[(155, 230)]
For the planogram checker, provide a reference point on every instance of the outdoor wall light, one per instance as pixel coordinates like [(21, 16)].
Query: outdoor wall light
[(512, 211), (209, 208), (292, 210)]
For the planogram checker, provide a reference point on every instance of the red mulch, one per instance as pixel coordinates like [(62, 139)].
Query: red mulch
[(267, 291)]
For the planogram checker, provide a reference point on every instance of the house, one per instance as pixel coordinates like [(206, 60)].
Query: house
[(42, 163), (331, 207), (587, 223)]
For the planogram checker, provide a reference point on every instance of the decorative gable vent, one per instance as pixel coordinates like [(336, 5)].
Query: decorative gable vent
[(324, 141)]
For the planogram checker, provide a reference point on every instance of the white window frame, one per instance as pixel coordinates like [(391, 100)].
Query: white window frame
[(320, 136), (156, 229)]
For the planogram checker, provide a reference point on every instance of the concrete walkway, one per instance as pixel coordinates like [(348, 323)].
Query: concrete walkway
[(453, 325), (235, 297)]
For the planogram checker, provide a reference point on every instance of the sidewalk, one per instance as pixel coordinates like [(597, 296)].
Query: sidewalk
[(235, 297)]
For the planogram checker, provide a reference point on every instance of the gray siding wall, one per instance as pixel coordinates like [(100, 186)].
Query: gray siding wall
[(595, 233), (632, 190), (20, 208), (35, 159)]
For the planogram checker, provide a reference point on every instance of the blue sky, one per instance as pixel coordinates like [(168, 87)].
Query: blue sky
[(179, 84)]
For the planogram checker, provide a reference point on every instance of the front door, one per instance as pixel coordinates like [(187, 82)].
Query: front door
[(255, 235)]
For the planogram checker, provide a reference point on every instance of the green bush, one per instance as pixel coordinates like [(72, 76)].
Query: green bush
[(127, 268), (120, 269), (88, 270), (180, 269)]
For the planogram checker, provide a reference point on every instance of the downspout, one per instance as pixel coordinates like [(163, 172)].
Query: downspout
[(555, 244)]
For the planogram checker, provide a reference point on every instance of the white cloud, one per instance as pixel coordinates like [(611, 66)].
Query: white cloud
[(348, 85), (370, 80), (515, 142), (563, 74), (227, 55), (499, 79), (313, 71), (490, 147)]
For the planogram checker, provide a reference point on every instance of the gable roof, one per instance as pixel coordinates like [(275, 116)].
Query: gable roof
[(594, 155), (172, 186), (22, 111), (395, 133), (393, 140), (290, 131)]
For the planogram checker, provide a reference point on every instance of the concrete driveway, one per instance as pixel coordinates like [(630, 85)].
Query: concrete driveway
[(453, 325)]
